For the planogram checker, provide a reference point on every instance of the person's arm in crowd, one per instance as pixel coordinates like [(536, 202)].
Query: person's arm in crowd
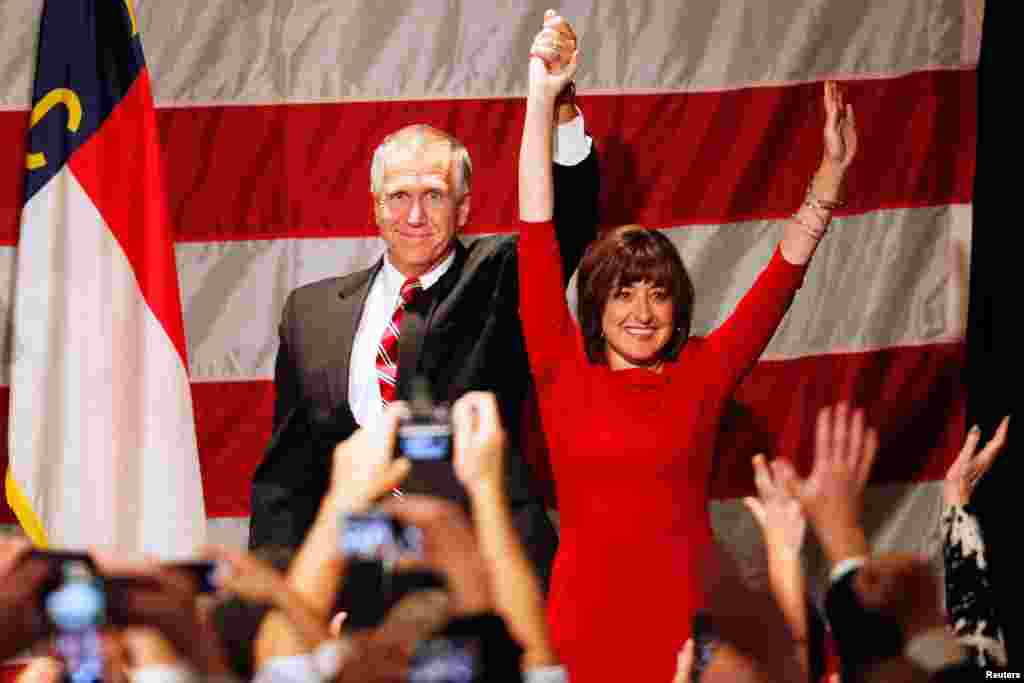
[(21, 623), (970, 599), (149, 594), (296, 627), (479, 464), (832, 495), (363, 471), (783, 525)]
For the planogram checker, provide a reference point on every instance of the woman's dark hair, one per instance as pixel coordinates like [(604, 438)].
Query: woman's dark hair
[(620, 257)]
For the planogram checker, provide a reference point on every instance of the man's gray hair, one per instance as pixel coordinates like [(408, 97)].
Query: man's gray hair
[(413, 140)]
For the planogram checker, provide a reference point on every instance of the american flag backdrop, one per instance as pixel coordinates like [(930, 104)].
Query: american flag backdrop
[(707, 117)]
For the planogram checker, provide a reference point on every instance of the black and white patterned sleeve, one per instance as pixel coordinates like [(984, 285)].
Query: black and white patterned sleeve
[(970, 601)]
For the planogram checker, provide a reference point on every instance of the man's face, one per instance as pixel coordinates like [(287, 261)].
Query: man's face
[(417, 210)]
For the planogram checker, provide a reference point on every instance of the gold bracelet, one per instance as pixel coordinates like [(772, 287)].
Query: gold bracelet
[(823, 204), (816, 232)]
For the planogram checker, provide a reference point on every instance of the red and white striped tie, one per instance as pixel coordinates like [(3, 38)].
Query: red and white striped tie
[(387, 349)]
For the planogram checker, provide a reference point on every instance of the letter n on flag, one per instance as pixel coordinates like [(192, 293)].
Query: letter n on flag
[(102, 437)]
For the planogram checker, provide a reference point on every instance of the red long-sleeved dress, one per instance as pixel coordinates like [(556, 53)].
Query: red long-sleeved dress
[(631, 454)]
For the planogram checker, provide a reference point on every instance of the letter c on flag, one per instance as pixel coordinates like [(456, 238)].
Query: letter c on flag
[(56, 96)]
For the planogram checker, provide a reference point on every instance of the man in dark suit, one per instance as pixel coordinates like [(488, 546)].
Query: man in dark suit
[(327, 374)]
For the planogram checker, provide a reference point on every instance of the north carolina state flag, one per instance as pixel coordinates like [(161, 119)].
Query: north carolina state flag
[(102, 437)]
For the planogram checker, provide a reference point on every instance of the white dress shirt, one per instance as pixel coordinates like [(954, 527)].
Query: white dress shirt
[(384, 297), (571, 146)]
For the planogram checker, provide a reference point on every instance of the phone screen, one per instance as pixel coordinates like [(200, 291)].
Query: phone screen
[(76, 607), (378, 536), (446, 660)]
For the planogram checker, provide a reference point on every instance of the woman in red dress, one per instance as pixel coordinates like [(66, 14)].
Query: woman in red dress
[(631, 404)]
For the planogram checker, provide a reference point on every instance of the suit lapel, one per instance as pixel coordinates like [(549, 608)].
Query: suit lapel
[(348, 311)]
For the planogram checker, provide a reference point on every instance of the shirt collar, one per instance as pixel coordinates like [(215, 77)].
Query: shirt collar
[(393, 279)]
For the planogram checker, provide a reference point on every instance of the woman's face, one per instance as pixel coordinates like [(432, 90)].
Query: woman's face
[(637, 323)]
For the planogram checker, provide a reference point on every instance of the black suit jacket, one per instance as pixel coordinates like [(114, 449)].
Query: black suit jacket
[(472, 341)]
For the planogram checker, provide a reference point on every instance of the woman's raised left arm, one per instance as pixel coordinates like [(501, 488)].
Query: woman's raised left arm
[(807, 226), (743, 337)]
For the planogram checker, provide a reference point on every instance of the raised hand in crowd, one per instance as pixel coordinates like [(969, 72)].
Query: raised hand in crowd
[(972, 609), (363, 471), (783, 524), (21, 622), (970, 466), (479, 465), (832, 495)]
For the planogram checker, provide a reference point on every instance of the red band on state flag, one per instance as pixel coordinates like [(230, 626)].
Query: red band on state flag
[(120, 169)]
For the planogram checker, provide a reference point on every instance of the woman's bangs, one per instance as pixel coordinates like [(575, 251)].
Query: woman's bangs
[(647, 266)]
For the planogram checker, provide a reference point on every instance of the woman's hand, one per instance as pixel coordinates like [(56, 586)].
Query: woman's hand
[(967, 470), (840, 127), (553, 56)]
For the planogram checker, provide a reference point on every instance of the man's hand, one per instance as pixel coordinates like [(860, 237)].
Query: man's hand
[(479, 442), (967, 470), (449, 548), (553, 56), (832, 496), (776, 509), (363, 467)]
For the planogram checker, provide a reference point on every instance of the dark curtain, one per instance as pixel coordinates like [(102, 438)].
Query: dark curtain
[(996, 293)]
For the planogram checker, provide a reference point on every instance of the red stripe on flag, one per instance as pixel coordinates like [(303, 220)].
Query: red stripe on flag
[(303, 170), (911, 394), (121, 169)]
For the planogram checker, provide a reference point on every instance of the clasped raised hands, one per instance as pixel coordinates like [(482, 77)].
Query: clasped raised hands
[(553, 56)]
